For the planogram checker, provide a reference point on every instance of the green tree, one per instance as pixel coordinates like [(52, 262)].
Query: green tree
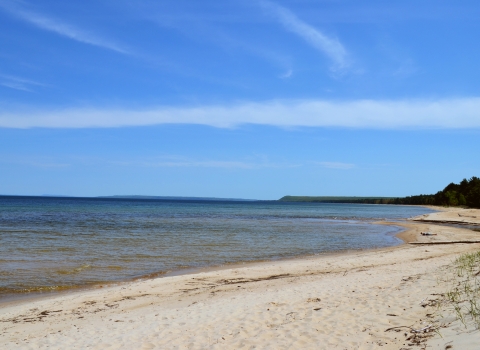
[(451, 198)]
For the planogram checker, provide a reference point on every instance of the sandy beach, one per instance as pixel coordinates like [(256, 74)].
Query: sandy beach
[(342, 301)]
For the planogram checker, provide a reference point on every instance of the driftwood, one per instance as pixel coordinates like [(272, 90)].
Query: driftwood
[(428, 234), (444, 242), (452, 222), (413, 330)]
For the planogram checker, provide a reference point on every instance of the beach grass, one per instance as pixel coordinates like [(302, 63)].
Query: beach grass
[(464, 293)]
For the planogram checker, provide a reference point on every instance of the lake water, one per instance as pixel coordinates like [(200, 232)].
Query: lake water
[(52, 244)]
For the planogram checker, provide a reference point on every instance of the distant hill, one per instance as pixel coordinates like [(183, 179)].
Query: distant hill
[(173, 198), (54, 195)]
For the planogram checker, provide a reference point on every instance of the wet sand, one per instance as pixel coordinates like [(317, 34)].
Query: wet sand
[(341, 301)]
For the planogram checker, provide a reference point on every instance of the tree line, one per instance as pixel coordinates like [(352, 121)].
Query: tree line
[(466, 193)]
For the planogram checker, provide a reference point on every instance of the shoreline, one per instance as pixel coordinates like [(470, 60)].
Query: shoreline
[(20, 298), (404, 235), (34, 272), (345, 300)]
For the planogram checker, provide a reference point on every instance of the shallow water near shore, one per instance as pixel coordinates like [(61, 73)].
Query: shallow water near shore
[(53, 244)]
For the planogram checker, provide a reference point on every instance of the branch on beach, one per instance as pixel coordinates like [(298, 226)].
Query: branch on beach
[(444, 242), (426, 329)]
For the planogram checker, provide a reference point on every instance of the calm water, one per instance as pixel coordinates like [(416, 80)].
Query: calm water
[(49, 244)]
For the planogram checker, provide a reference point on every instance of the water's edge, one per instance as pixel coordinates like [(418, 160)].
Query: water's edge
[(48, 246), (21, 298)]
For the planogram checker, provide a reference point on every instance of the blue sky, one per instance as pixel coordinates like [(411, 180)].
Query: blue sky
[(245, 99)]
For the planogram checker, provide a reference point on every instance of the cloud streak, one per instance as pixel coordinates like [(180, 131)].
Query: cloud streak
[(337, 165), (328, 46), (173, 161), (373, 114), (191, 163), (17, 83), (61, 28), (38, 162)]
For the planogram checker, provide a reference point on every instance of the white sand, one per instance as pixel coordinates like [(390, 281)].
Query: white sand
[(343, 301)]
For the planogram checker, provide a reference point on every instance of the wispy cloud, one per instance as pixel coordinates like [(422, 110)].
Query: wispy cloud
[(287, 74), (179, 162), (17, 83), (37, 162), (336, 165), (191, 163), (15, 86), (325, 44), (59, 27), (374, 114), (204, 30)]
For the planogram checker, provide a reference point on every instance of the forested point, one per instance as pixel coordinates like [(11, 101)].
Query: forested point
[(466, 193)]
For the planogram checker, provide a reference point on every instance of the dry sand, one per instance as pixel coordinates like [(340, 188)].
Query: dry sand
[(343, 301)]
